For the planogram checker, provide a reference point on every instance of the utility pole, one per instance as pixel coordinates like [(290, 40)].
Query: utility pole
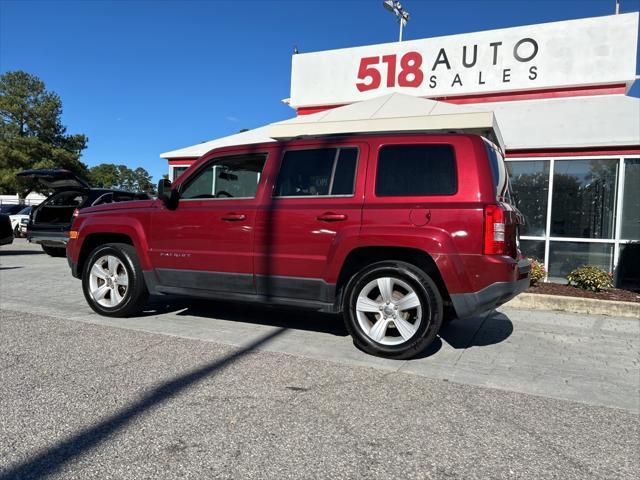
[(401, 14)]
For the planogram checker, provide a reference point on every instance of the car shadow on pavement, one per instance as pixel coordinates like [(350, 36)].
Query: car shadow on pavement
[(8, 253), (50, 460), (290, 318)]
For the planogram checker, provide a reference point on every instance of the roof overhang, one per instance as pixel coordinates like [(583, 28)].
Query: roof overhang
[(391, 114)]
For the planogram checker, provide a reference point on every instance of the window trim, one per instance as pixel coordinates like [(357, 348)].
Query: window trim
[(333, 171), (436, 195), (208, 163)]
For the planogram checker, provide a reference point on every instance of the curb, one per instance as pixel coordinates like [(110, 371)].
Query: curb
[(590, 306)]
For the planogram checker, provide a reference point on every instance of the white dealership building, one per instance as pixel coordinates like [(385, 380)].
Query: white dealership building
[(558, 94)]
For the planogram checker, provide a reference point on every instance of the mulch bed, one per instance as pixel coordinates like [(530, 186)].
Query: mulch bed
[(570, 291)]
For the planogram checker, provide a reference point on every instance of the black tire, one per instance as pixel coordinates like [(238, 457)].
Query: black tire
[(430, 303), (136, 295), (55, 251), (16, 232)]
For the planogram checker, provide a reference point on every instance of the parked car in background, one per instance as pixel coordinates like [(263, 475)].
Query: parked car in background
[(6, 232), (16, 220), (49, 222), (399, 233), (11, 209)]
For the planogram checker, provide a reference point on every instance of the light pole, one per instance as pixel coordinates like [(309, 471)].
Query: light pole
[(401, 14)]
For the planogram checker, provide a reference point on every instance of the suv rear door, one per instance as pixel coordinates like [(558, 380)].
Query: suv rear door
[(315, 207)]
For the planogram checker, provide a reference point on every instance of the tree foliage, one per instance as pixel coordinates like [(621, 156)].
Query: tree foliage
[(31, 131), (121, 177)]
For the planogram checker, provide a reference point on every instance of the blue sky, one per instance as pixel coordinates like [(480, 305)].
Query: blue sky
[(143, 77)]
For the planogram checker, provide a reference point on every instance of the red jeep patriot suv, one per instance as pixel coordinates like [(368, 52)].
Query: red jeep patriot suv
[(396, 232)]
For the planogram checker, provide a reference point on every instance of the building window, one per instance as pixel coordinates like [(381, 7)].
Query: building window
[(594, 214), (630, 218), (533, 249), (584, 198), (176, 172), (530, 188), (565, 256)]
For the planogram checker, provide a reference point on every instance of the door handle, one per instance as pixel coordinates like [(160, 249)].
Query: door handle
[(332, 217), (234, 217)]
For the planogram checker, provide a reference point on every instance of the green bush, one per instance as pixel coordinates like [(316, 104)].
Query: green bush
[(590, 278), (538, 272)]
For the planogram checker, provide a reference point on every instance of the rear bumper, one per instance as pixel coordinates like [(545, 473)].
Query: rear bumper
[(53, 239), (470, 304)]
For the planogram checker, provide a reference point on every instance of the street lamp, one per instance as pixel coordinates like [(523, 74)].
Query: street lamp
[(401, 14)]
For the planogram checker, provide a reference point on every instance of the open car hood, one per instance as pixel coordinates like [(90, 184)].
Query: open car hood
[(55, 178)]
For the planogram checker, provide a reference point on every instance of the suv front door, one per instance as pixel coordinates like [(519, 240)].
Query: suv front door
[(206, 242)]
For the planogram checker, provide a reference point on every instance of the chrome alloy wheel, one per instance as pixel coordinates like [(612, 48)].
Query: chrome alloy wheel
[(388, 311), (108, 281)]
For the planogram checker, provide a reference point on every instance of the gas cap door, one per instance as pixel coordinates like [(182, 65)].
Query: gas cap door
[(420, 216)]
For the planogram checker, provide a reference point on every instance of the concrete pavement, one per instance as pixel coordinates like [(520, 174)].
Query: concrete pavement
[(589, 359)]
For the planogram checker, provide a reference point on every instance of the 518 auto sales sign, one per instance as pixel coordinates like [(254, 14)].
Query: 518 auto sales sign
[(593, 51)]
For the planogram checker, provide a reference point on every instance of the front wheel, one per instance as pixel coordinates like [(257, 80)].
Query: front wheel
[(112, 281), (392, 309)]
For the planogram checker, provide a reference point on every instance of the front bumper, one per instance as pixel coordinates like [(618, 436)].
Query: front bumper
[(469, 304)]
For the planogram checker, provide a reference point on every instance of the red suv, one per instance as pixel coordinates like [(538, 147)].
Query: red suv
[(399, 233)]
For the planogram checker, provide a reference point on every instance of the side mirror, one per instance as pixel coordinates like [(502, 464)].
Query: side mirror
[(167, 194)]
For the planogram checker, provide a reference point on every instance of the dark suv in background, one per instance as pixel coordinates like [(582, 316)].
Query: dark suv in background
[(50, 221)]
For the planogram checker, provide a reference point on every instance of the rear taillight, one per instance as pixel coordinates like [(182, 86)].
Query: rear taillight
[(494, 230), (76, 212)]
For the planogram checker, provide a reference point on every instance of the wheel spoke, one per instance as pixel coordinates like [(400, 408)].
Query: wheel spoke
[(409, 301), (122, 280), (100, 292), (405, 328), (365, 304), (385, 285), (98, 271), (112, 264), (379, 330)]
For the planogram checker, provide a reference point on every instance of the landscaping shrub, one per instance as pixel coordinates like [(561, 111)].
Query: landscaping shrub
[(590, 278), (538, 272)]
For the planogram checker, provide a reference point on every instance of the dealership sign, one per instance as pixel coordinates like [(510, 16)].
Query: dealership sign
[(593, 51)]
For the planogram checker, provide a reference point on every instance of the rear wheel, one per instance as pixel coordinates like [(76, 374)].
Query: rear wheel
[(393, 309), (55, 251), (112, 281), (16, 232)]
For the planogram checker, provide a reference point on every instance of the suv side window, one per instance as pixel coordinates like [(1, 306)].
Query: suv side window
[(416, 170), (227, 177), (316, 172)]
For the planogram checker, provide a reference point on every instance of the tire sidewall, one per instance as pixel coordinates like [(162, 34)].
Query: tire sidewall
[(134, 280), (430, 301)]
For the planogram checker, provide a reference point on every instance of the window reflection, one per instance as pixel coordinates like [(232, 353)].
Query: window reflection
[(565, 256), (530, 189), (583, 200), (630, 224)]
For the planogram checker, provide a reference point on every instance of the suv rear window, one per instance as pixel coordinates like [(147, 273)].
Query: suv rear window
[(321, 171), (416, 170)]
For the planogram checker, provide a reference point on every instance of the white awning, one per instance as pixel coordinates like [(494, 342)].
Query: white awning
[(576, 122), (257, 135), (391, 113)]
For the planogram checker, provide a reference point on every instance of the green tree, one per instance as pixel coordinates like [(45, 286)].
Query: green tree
[(121, 177), (31, 131)]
